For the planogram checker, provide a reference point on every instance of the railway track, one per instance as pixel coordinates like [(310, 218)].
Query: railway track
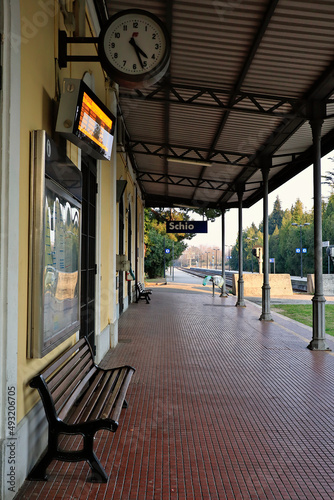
[(299, 285)]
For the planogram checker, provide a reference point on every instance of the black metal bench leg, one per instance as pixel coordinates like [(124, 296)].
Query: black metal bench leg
[(98, 473)]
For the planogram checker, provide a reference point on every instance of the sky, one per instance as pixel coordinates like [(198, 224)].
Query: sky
[(301, 186)]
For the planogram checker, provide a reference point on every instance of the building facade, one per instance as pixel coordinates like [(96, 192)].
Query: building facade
[(111, 218)]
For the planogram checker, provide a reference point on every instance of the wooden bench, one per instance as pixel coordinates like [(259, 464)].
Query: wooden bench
[(143, 293), (79, 398)]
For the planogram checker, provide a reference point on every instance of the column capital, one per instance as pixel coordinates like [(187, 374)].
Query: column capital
[(315, 111), (240, 189), (265, 162)]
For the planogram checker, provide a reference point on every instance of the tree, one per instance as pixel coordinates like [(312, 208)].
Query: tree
[(276, 217), (156, 240), (155, 256), (209, 214), (297, 212), (329, 179)]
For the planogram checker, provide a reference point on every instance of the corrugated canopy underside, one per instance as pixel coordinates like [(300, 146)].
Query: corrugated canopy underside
[(240, 79)]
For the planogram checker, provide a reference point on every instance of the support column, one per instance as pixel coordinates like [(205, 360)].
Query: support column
[(266, 314), (241, 299), (223, 292), (317, 112)]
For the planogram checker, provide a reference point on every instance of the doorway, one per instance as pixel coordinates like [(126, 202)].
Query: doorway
[(88, 250), (121, 252), (129, 252)]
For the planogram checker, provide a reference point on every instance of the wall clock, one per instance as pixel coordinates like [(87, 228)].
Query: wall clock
[(134, 48)]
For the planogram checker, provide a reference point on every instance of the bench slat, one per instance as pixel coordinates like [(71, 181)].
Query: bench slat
[(75, 394), (83, 404), (94, 397), (59, 361), (121, 397), (113, 397), (64, 390), (109, 388), (67, 367)]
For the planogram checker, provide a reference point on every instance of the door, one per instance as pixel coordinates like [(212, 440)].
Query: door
[(88, 249), (129, 251), (121, 252)]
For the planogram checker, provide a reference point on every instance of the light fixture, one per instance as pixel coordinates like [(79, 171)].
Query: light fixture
[(201, 163)]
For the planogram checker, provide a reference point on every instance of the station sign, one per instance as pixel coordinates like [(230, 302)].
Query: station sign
[(189, 226), (167, 250)]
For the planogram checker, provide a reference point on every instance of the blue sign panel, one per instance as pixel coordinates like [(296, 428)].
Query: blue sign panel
[(297, 250), (167, 250), (189, 226), (272, 260), (304, 250)]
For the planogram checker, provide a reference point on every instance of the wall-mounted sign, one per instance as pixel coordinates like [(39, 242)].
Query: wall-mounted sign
[(190, 226), (84, 120)]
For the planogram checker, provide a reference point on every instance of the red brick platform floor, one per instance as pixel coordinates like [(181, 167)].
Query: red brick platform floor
[(222, 406)]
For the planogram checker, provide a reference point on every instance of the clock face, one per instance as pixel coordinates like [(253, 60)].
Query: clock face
[(134, 48)]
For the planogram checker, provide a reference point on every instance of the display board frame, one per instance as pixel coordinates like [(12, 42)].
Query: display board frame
[(85, 120), (54, 247)]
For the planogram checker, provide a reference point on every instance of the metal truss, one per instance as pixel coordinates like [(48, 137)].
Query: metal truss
[(244, 102), (183, 153), (179, 180)]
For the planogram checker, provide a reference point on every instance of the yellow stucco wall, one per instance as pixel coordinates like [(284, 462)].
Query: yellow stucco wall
[(39, 80), (106, 221), (37, 93)]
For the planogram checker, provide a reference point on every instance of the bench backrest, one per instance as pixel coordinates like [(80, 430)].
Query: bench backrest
[(61, 383)]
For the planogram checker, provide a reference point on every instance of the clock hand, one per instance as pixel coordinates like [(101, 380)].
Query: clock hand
[(138, 50), (134, 45), (141, 52)]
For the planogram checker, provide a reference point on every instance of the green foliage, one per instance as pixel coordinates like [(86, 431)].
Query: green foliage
[(156, 240), (209, 214), (285, 238), (155, 253), (303, 314), (275, 218)]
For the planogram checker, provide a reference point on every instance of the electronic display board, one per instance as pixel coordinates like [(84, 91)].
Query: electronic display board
[(84, 120)]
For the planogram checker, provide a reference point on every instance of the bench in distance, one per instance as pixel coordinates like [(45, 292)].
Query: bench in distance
[(143, 293), (79, 398)]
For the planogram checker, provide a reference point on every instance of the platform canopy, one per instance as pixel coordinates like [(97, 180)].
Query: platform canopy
[(242, 76)]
